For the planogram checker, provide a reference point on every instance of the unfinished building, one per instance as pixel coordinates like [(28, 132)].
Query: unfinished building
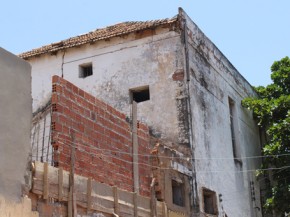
[(152, 108)]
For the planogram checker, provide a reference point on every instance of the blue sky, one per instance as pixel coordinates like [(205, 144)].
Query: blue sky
[(251, 33)]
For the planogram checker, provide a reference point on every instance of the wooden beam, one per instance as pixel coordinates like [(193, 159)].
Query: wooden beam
[(60, 183), (116, 200), (45, 181), (89, 195)]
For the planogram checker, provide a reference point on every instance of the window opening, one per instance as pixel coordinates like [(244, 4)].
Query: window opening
[(231, 108), (177, 193), (209, 202), (85, 70), (140, 94), (233, 125)]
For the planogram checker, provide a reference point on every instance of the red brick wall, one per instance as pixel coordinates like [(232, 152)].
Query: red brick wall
[(101, 135)]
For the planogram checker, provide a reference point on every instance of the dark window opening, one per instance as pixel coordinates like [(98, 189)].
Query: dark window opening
[(85, 70), (233, 126), (209, 202), (231, 108), (177, 193), (140, 94)]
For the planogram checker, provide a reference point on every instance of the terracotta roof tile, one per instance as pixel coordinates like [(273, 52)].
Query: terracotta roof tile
[(96, 35)]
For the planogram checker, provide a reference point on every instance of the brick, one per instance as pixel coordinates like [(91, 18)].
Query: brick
[(69, 85), (75, 90), (55, 79), (81, 93), (54, 98), (89, 97), (96, 124), (178, 75)]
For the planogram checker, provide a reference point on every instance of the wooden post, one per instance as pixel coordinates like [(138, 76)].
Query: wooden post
[(135, 201), (135, 148), (70, 206), (116, 200), (153, 199), (165, 214), (72, 212), (45, 181), (60, 183), (89, 194)]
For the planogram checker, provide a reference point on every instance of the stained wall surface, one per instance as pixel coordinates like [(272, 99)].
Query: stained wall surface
[(212, 83), (119, 65), (15, 123)]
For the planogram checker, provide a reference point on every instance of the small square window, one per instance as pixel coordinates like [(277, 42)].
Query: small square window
[(140, 94), (177, 193), (209, 202), (85, 70)]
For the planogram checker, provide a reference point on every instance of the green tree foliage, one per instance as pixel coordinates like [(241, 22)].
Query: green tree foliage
[(272, 112)]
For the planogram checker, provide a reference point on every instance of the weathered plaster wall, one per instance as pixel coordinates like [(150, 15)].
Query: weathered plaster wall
[(20, 209), (167, 165), (119, 65), (15, 122), (212, 79)]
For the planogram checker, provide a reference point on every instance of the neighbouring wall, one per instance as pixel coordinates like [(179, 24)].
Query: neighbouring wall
[(101, 135), (12, 209), (15, 122)]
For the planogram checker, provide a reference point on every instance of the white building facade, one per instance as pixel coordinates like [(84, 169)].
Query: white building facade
[(188, 94)]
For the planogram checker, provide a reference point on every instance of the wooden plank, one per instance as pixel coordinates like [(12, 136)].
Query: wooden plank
[(104, 198), (60, 183), (45, 181), (116, 200), (89, 194)]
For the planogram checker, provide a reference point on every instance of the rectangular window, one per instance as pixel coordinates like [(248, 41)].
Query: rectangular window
[(233, 127), (209, 202), (140, 94), (177, 193), (85, 70)]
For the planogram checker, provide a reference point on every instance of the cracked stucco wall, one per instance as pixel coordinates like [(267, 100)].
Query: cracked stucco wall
[(212, 80)]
